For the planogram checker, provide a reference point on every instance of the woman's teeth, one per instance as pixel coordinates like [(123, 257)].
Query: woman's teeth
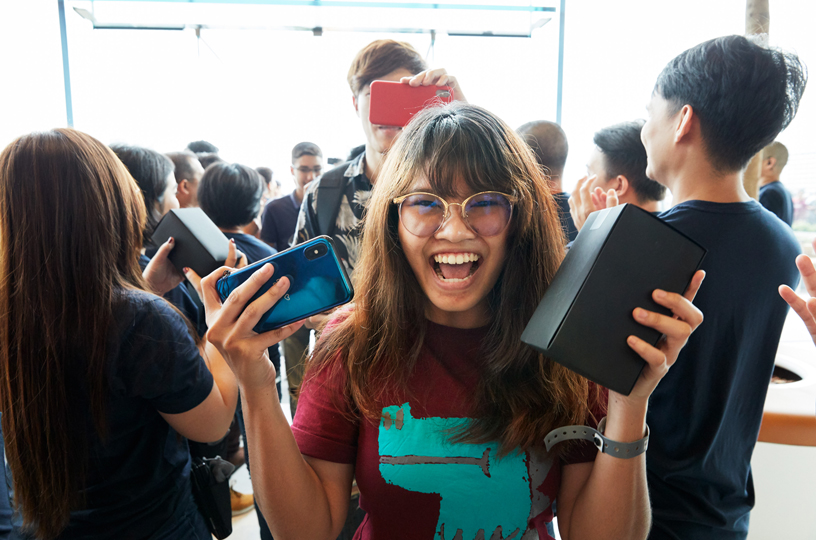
[(459, 258), (455, 267)]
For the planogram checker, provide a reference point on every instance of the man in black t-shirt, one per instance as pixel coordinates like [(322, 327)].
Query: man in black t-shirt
[(549, 144), (713, 108), (772, 194)]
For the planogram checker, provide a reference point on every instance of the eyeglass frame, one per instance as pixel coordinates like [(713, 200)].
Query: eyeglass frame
[(512, 199)]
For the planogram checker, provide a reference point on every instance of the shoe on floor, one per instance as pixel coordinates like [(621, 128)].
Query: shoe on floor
[(241, 502)]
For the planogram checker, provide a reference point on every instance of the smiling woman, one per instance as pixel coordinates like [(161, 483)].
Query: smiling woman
[(423, 390)]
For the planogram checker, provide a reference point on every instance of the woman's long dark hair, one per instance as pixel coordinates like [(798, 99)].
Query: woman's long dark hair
[(522, 395), (71, 220)]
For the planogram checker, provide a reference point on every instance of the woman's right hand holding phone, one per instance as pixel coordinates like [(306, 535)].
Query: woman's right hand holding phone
[(231, 326)]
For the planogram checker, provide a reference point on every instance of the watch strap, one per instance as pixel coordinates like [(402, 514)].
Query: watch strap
[(603, 444)]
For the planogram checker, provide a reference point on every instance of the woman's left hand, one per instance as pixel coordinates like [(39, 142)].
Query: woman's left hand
[(436, 77), (161, 275), (676, 331)]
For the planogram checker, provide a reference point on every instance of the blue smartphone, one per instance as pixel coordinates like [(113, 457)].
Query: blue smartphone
[(317, 282)]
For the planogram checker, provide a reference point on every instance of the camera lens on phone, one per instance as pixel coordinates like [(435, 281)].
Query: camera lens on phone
[(315, 251)]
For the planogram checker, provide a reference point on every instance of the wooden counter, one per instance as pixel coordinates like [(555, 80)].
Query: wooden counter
[(790, 408)]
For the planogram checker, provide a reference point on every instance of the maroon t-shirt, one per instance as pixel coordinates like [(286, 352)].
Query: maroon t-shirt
[(414, 483)]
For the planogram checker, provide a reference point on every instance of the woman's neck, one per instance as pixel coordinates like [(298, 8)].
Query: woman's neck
[(475, 317)]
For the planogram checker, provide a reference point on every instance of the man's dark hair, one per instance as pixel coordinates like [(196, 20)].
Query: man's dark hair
[(150, 169), (208, 159), (624, 153), (306, 149), (202, 147), (381, 57), (183, 164), (743, 94), (267, 174), (549, 144), (230, 194)]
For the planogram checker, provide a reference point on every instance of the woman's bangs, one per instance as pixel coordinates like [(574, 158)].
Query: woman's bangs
[(466, 157)]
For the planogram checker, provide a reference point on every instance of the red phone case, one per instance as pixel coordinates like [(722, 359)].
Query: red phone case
[(394, 103)]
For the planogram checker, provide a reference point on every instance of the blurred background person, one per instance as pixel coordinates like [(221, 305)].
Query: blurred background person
[(617, 162), (188, 172), (549, 144), (773, 195)]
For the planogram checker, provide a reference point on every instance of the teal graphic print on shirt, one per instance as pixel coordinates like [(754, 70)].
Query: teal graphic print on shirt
[(479, 492)]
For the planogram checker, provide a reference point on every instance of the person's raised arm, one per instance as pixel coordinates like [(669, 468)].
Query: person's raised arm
[(436, 77), (806, 309), (299, 497), (583, 202), (611, 492)]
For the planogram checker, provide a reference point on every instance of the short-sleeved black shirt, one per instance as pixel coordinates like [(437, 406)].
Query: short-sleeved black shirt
[(705, 414), (138, 480)]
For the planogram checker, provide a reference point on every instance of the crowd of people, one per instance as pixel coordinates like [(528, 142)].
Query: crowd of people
[(418, 413)]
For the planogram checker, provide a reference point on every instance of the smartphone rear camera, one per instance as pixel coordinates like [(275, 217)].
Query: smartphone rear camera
[(315, 251)]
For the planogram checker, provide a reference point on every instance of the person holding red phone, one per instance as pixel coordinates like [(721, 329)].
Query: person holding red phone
[(345, 189)]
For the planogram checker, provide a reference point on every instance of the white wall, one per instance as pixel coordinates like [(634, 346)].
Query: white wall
[(785, 484)]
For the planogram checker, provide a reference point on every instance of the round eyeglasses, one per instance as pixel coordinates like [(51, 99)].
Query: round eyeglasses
[(486, 213)]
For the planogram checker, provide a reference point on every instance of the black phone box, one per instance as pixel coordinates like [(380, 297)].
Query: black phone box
[(200, 245), (620, 256)]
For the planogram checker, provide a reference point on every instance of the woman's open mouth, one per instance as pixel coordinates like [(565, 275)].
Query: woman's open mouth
[(455, 267)]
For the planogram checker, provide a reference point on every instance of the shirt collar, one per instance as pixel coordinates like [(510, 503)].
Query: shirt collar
[(294, 201), (356, 166)]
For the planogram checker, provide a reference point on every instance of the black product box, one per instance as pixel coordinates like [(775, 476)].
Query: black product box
[(620, 256), (199, 244)]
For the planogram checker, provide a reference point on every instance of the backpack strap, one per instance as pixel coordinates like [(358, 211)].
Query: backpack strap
[(329, 197)]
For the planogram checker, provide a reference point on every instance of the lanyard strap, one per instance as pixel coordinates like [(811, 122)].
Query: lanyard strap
[(604, 445)]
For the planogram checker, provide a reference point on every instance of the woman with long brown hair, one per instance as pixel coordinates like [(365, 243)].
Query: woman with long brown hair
[(423, 390), (98, 377)]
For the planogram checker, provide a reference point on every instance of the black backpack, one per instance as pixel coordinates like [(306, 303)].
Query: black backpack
[(329, 197)]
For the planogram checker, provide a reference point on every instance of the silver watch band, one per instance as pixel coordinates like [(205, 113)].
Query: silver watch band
[(604, 445)]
